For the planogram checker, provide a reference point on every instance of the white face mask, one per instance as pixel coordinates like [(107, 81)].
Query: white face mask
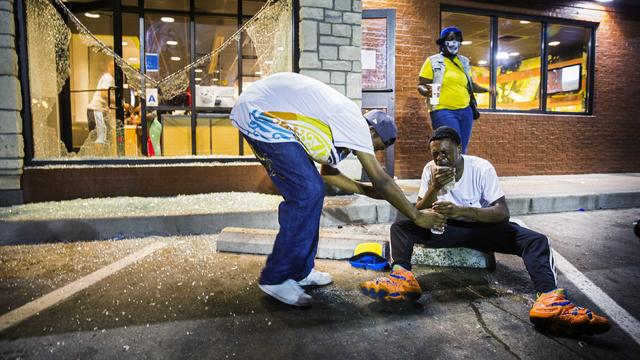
[(452, 46)]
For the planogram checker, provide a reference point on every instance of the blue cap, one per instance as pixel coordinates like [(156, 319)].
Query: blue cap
[(446, 31), (384, 126), (369, 261)]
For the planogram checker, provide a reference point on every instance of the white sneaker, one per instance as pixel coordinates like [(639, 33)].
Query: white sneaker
[(289, 292), (316, 278)]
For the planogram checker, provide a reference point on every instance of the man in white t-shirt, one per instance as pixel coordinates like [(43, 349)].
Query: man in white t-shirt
[(290, 121), (98, 108), (477, 218)]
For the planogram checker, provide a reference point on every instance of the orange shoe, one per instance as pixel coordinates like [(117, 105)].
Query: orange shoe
[(400, 285), (553, 311)]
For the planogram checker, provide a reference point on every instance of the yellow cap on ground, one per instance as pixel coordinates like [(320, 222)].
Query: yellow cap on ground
[(371, 247)]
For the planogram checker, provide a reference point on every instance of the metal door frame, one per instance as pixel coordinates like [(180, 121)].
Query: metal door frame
[(376, 98)]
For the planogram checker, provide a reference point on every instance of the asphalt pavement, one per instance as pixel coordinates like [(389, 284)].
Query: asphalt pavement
[(185, 300)]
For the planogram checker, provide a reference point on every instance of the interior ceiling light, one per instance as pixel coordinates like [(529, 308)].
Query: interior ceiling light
[(554, 43), (133, 59), (467, 42), (172, 42), (502, 55), (604, 1), (91, 15), (525, 22), (268, 62), (258, 72), (175, 58), (198, 79), (198, 70), (515, 53), (482, 62), (124, 43), (167, 19)]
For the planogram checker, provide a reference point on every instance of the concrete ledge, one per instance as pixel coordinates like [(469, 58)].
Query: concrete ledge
[(331, 245), (339, 246), (458, 257)]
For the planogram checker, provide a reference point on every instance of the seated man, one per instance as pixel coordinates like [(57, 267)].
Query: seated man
[(477, 218)]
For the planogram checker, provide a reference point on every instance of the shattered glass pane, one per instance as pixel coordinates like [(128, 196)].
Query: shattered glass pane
[(50, 63)]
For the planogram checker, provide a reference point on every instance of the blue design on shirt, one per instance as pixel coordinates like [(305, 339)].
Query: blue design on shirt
[(264, 127)]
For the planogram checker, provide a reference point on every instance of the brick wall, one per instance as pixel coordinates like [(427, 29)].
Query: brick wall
[(517, 144), (11, 141)]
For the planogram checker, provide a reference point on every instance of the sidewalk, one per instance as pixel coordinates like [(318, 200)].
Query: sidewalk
[(127, 217)]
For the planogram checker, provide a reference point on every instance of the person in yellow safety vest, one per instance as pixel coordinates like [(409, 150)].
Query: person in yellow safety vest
[(452, 72)]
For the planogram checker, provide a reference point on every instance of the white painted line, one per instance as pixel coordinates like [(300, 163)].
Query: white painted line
[(615, 312), (26, 311)]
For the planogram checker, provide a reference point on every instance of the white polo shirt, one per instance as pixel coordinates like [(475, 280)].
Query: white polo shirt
[(478, 187), (289, 107)]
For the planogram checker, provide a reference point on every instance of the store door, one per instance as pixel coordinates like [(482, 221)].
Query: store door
[(378, 66)]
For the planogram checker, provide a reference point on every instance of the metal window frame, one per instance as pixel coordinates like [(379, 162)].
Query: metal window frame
[(545, 22), (118, 10)]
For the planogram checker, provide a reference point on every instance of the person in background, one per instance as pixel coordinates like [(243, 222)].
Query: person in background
[(478, 218), (291, 121), (452, 72), (98, 108)]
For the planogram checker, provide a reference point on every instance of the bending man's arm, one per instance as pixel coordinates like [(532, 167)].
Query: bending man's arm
[(389, 190), (333, 176)]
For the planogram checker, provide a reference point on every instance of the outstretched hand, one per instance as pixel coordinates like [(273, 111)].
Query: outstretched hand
[(447, 209), (430, 219)]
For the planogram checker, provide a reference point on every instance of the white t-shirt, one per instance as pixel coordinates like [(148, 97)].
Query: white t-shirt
[(289, 107), (478, 187), (97, 102)]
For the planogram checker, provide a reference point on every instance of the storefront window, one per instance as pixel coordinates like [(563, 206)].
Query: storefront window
[(476, 46), (167, 51), (567, 69), (518, 65), (216, 7), (131, 97), (73, 76), (182, 5), (517, 60)]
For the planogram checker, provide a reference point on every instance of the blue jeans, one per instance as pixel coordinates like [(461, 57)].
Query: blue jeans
[(461, 120), (301, 185)]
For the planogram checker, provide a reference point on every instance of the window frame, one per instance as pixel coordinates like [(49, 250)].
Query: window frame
[(544, 52), (118, 9)]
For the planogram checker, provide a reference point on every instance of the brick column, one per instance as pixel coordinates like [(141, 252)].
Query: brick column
[(11, 140), (330, 40)]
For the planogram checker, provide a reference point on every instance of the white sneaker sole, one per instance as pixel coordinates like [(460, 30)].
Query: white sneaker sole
[(301, 301), (313, 283)]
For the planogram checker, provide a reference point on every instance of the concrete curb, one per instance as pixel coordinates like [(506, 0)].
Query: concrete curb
[(340, 245), (347, 210)]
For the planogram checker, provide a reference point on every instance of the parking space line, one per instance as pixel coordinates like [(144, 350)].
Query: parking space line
[(34, 307), (616, 313)]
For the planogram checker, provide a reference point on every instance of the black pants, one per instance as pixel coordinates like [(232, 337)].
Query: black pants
[(505, 238)]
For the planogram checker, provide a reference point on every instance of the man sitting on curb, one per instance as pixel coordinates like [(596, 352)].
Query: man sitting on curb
[(291, 121), (477, 218)]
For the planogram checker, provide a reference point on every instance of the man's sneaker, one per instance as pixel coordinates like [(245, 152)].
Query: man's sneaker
[(316, 278), (398, 286), (289, 292), (553, 311)]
